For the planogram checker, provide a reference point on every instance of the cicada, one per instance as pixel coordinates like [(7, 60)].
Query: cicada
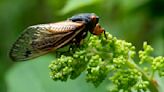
[(40, 39)]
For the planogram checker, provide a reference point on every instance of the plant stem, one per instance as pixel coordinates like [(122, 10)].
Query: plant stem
[(153, 87)]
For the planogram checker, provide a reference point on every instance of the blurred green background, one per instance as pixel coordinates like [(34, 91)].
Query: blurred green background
[(131, 20)]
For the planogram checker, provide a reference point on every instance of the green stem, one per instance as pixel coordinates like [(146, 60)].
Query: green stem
[(153, 87), (152, 75)]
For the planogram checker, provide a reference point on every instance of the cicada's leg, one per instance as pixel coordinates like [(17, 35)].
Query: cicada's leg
[(76, 42), (79, 38)]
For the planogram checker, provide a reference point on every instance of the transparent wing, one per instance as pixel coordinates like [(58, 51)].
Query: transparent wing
[(41, 39)]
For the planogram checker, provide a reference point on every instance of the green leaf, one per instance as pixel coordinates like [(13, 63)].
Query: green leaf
[(75, 4), (32, 76)]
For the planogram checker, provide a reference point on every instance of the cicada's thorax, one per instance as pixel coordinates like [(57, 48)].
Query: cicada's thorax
[(90, 20)]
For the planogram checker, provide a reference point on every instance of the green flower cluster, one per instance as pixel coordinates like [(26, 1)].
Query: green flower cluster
[(123, 78), (145, 54), (62, 68), (157, 63), (97, 70), (107, 58), (69, 66)]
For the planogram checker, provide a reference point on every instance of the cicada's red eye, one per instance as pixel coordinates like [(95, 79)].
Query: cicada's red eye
[(94, 19)]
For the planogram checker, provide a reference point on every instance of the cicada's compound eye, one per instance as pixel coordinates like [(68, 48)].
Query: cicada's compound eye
[(94, 19)]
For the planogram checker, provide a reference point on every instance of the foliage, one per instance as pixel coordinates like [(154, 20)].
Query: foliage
[(98, 57), (133, 20)]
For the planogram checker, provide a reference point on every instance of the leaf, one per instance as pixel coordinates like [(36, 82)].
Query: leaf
[(75, 4), (33, 76)]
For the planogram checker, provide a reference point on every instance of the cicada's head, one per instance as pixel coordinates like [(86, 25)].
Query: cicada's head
[(90, 19)]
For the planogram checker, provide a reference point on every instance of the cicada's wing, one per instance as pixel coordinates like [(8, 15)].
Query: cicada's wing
[(40, 39)]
